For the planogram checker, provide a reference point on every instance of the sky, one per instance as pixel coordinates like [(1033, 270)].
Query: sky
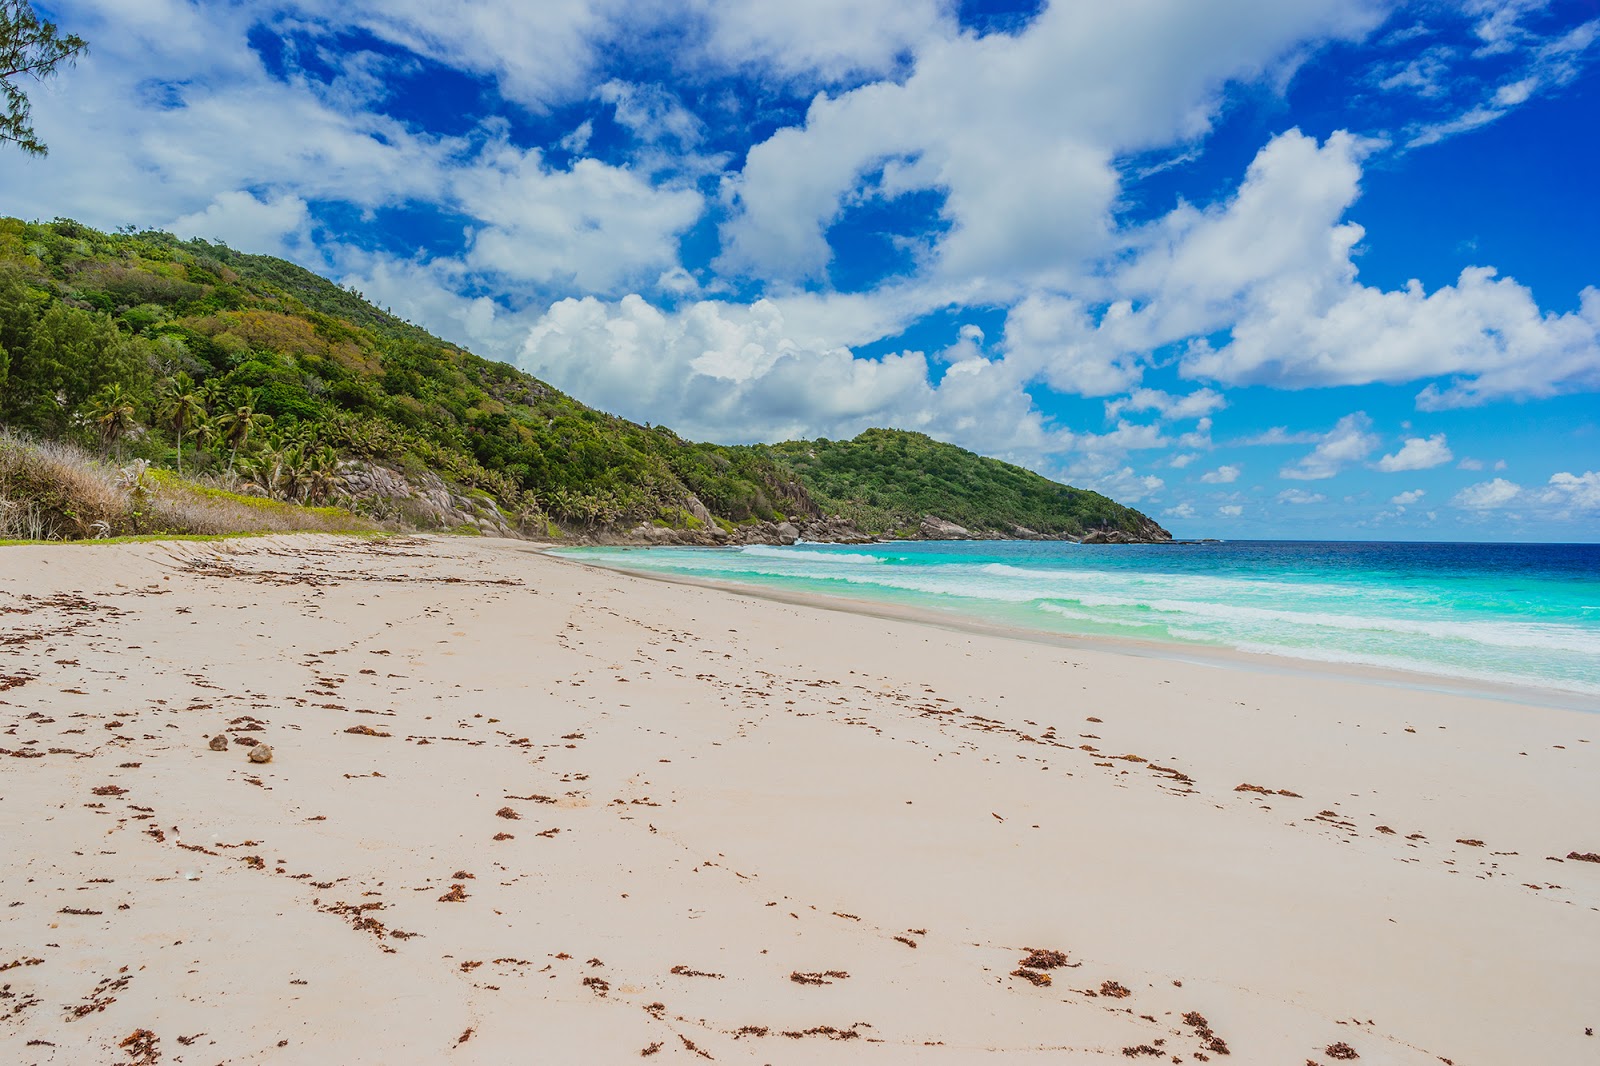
[(1327, 269)]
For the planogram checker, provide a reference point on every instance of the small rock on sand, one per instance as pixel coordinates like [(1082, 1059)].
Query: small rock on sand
[(219, 742), (261, 753)]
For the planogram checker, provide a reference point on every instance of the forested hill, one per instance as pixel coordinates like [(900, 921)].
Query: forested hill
[(248, 369), (889, 479)]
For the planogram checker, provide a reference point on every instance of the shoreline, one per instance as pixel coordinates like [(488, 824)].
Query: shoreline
[(515, 802), (1213, 655)]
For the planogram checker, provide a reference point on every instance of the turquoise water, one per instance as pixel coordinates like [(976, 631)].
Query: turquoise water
[(1516, 614)]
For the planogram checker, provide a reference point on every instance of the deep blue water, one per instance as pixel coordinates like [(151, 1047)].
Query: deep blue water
[(1523, 614)]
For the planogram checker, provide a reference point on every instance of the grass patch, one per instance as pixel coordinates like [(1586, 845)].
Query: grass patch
[(54, 492)]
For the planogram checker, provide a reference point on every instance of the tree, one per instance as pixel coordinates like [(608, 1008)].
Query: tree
[(112, 412), (180, 407), (29, 46), (237, 425)]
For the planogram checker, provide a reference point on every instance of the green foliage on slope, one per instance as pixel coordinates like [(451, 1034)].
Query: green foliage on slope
[(284, 372), (887, 480), (227, 365)]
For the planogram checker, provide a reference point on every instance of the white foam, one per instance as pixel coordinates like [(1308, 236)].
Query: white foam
[(809, 555)]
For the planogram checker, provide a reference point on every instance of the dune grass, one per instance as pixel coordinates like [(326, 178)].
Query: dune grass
[(52, 492)]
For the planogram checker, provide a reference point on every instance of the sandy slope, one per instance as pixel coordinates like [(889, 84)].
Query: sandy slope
[(705, 798)]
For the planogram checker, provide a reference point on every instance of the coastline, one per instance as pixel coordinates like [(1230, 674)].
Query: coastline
[(1214, 655), (762, 830)]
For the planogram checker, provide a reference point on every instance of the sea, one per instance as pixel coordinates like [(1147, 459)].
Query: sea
[(1479, 615)]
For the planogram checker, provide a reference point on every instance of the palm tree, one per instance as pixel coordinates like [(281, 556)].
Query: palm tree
[(112, 411), (239, 423), (321, 474), (211, 394), (180, 407)]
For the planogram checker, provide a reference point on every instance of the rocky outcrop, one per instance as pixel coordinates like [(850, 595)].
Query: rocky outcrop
[(933, 528), (1148, 533), (834, 529), (424, 500)]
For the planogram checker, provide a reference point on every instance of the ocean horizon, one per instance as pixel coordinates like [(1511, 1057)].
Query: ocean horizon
[(1523, 615)]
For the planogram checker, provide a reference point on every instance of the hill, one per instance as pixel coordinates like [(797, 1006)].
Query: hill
[(889, 480), (265, 378)]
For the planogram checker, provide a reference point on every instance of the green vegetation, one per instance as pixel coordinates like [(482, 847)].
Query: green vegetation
[(55, 491), (887, 480), (29, 47), (214, 362), (249, 373)]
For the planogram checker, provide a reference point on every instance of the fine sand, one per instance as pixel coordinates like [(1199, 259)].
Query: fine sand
[(525, 811)]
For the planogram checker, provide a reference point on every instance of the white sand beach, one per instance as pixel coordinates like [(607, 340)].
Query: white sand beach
[(523, 810)]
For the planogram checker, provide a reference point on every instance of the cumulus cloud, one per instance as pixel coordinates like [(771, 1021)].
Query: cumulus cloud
[(823, 40), (1574, 492), (276, 226), (744, 372), (1276, 265), (1222, 475), (1300, 497), (1027, 189), (1564, 497), (1418, 453), (1349, 441), (592, 226), (1055, 340), (1487, 495), (1230, 510), (1196, 404), (1406, 499)]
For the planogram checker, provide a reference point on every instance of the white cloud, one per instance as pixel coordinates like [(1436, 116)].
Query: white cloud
[(1182, 510), (1054, 339), (1178, 462), (1276, 266), (1529, 64), (1028, 188), (593, 226), (1196, 404), (1230, 510), (743, 372), (1470, 464), (539, 54), (1418, 453), (1350, 441), (1574, 492), (278, 226), (1222, 475), (1406, 499), (651, 113), (1279, 435), (1123, 484), (823, 40), (1487, 495), (1300, 497)]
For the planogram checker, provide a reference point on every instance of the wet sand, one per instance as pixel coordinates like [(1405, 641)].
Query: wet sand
[(524, 810)]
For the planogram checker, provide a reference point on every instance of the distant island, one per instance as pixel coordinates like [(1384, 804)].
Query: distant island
[(154, 385)]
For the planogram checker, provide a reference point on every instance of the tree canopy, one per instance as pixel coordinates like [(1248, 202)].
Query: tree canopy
[(29, 47)]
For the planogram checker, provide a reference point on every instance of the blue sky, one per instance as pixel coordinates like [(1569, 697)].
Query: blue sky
[(1323, 269)]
